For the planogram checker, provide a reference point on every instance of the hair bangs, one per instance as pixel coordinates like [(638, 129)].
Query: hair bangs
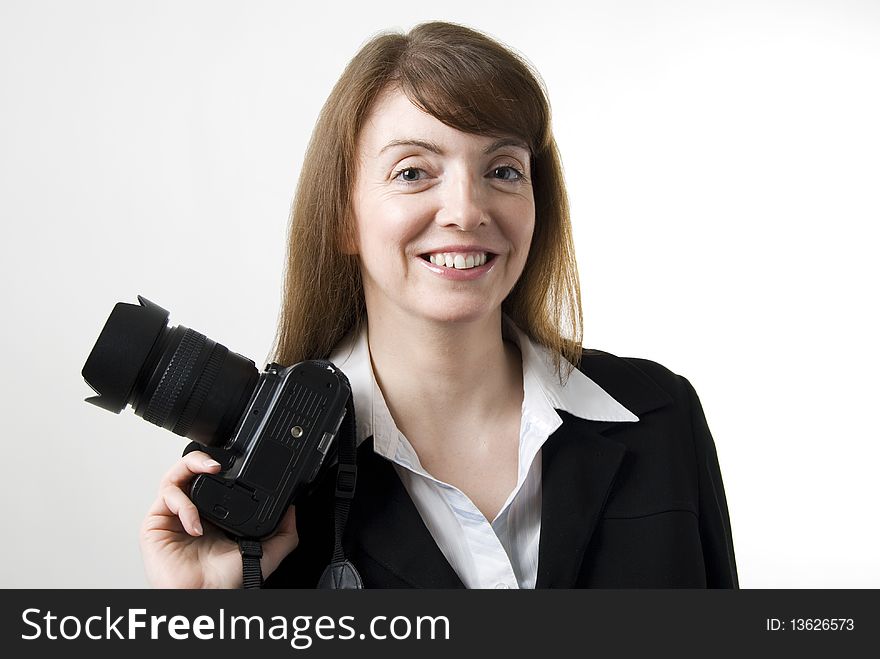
[(471, 92)]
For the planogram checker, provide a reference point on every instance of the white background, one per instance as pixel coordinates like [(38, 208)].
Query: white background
[(722, 160)]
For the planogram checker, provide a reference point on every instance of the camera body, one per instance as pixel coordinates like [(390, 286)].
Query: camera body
[(271, 432), (280, 444)]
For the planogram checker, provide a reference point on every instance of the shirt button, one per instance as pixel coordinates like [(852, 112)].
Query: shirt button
[(501, 585)]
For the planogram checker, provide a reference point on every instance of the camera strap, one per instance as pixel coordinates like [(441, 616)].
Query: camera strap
[(251, 553), (341, 574)]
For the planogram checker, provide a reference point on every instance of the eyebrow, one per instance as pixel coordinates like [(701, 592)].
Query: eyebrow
[(435, 148)]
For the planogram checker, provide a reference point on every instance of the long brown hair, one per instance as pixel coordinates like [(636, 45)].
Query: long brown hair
[(469, 82)]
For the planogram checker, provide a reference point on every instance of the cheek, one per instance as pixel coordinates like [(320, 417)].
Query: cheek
[(528, 231), (391, 216), (387, 227), (521, 228), (524, 247)]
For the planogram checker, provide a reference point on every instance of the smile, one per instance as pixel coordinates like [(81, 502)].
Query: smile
[(461, 268), (459, 260)]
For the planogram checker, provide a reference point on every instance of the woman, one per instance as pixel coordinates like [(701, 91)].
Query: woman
[(431, 258)]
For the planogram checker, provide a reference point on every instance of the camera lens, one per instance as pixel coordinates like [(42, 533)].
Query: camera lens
[(175, 377)]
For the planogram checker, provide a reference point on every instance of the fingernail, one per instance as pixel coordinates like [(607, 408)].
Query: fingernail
[(210, 464), (197, 527)]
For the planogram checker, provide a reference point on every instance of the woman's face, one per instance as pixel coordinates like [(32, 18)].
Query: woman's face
[(431, 203)]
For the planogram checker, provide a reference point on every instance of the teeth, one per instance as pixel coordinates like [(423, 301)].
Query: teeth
[(459, 260)]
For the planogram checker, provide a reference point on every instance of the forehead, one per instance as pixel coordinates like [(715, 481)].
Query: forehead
[(394, 117)]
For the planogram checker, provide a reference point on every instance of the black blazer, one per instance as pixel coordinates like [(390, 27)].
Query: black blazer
[(625, 505)]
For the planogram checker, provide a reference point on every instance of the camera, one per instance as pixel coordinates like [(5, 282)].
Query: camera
[(271, 431)]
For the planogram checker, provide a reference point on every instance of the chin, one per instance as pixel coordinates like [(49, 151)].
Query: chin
[(460, 313)]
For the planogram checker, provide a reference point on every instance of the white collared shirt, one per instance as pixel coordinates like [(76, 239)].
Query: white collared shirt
[(501, 553)]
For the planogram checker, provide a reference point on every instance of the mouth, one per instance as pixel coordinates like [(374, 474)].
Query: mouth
[(458, 260)]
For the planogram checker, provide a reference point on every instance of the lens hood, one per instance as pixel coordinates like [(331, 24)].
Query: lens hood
[(129, 335)]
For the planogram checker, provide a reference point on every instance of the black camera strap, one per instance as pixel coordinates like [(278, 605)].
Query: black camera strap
[(251, 553), (341, 573)]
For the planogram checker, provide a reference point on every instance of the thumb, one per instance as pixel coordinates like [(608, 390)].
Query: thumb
[(285, 540)]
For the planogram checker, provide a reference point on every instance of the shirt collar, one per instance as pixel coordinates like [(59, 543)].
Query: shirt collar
[(543, 393), (580, 395)]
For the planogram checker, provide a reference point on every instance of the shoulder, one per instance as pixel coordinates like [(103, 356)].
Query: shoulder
[(640, 385)]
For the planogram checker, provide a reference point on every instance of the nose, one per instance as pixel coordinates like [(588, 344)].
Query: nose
[(462, 203)]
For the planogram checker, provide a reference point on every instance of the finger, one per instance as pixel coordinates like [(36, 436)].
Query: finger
[(159, 518), (281, 544), (188, 466), (180, 505)]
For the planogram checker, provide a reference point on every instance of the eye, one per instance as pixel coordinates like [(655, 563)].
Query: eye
[(406, 175), (508, 173)]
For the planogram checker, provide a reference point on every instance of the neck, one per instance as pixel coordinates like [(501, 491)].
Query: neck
[(444, 381)]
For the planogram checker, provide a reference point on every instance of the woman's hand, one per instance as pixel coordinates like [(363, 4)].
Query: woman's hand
[(181, 553)]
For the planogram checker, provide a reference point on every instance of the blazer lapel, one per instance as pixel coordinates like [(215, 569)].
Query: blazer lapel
[(389, 528), (577, 472)]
